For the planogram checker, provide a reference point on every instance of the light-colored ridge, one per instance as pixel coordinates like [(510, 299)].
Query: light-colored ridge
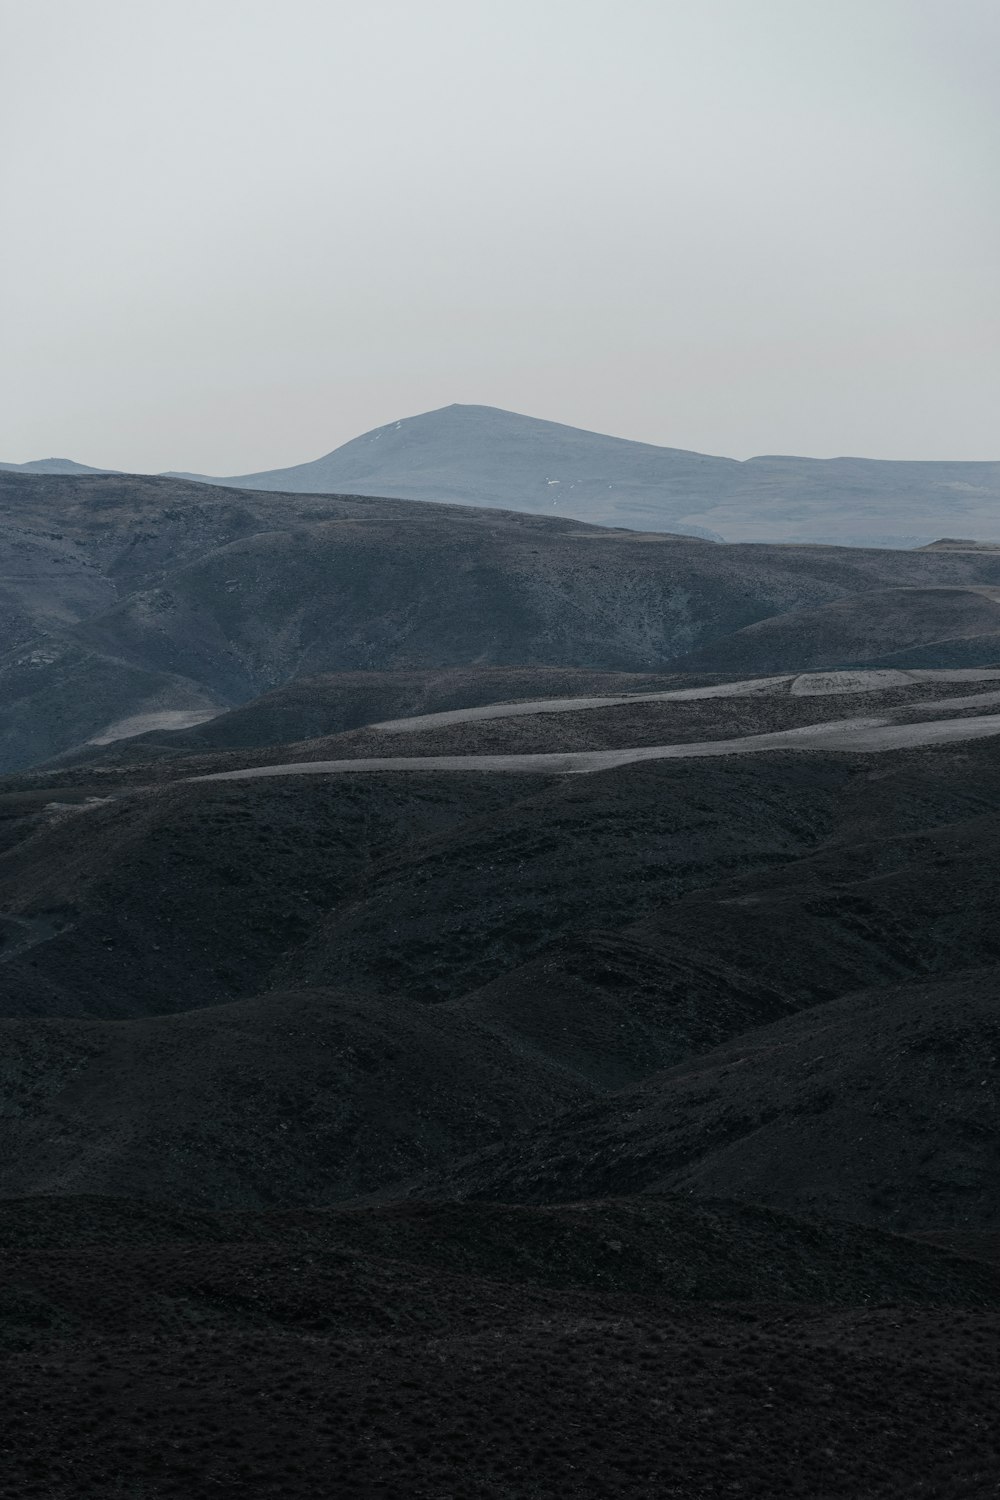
[(860, 736)]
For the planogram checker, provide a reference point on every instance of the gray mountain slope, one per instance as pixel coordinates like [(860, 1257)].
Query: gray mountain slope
[(480, 455), (55, 466)]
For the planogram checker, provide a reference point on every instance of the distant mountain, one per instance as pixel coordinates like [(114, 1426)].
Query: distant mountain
[(483, 456), (480, 455), (55, 466)]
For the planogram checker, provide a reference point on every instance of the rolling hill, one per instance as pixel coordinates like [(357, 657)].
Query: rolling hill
[(135, 604), (53, 466), (283, 990), (480, 455)]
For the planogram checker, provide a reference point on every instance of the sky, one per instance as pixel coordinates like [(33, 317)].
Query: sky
[(236, 233)]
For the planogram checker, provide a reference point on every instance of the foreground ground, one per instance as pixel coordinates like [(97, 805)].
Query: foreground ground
[(573, 1398), (450, 1134), (449, 1352)]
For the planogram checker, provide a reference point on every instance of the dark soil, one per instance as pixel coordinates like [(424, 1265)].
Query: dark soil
[(525, 1394), (489, 1352)]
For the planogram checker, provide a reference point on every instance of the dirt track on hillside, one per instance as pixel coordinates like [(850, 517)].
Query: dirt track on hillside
[(867, 736)]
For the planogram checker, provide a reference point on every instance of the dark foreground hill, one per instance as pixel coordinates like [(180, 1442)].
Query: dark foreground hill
[(296, 989), (479, 455), (443, 1125), (423, 1351), (135, 605), (449, 1349), (159, 1262), (206, 891), (807, 1112)]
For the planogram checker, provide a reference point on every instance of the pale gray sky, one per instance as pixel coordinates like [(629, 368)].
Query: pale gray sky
[(236, 233)]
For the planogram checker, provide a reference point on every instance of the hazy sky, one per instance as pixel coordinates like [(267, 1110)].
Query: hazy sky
[(236, 233)]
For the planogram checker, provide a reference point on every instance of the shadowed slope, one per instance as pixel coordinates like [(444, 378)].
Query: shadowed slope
[(189, 896), (89, 1266), (285, 1099), (618, 1005), (902, 627), (608, 850), (880, 1108)]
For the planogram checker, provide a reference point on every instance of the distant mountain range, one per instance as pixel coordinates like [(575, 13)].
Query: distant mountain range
[(480, 455), (54, 466)]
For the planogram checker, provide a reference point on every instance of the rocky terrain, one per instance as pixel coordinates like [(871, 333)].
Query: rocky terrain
[(523, 1063)]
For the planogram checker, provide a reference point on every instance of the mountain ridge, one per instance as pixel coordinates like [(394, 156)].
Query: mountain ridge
[(55, 466), (484, 456), (488, 456)]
